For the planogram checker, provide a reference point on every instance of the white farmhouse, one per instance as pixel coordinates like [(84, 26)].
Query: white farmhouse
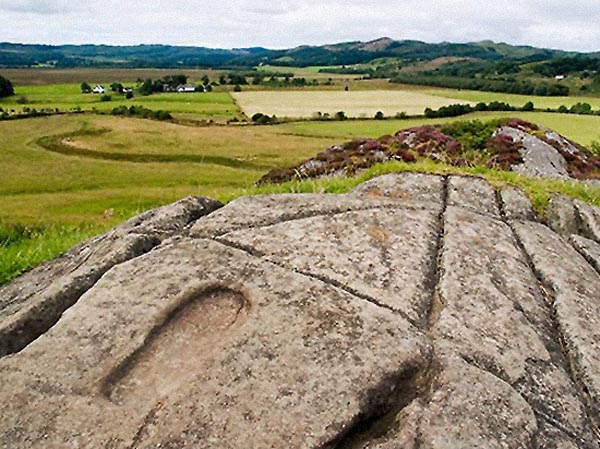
[(186, 88), (98, 89)]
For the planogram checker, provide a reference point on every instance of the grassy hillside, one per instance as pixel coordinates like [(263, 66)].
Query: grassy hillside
[(41, 187), (64, 56)]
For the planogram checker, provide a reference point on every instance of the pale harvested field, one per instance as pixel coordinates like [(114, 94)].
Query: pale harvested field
[(301, 104)]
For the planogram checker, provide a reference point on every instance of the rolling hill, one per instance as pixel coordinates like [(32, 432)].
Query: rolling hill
[(24, 55)]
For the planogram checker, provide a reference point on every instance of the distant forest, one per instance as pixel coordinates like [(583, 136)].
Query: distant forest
[(67, 56), (482, 65)]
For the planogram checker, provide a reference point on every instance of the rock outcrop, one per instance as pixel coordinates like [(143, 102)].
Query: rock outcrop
[(416, 311), (511, 144)]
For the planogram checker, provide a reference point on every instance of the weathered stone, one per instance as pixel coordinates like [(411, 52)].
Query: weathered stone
[(386, 256), (35, 301), (212, 346), (561, 215), (473, 408), (405, 314), (575, 288), (588, 249), (489, 296), (589, 219), (265, 210), (539, 157), (472, 193), (516, 205), (416, 187)]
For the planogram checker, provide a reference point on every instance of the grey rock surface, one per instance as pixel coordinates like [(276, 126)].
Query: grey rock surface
[(416, 311), (589, 219), (575, 302), (589, 249), (516, 204), (539, 158), (35, 301), (472, 193), (562, 217)]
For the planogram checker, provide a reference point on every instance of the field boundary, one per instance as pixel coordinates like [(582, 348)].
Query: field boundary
[(55, 143)]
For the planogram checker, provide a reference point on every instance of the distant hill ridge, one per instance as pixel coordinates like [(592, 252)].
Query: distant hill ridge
[(345, 53)]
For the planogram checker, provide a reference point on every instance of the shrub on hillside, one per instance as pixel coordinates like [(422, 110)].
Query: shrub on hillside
[(505, 152), (262, 119), (471, 134), (140, 111), (427, 139), (340, 116)]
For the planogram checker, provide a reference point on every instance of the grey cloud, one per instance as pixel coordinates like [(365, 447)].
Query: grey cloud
[(273, 8), (288, 23), (43, 7)]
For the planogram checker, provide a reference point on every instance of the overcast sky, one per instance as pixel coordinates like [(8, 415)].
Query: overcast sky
[(563, 24)]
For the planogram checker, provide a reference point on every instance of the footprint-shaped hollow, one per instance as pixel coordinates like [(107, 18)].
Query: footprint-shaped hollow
[(178, 347)]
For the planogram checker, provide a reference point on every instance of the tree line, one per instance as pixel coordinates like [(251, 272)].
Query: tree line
[(522, 87)]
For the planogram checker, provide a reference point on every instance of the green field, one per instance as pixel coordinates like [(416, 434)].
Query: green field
[(44, 187), (209, 105), (39, 186)]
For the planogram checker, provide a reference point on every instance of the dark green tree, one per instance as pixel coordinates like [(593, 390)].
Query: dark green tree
[(581, 108), (147, 87), (6, 88), (85, 88), (528, 107), (340, 115), (116, 87)]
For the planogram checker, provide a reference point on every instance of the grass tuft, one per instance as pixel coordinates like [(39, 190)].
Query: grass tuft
[(24, 247), (539, 190)]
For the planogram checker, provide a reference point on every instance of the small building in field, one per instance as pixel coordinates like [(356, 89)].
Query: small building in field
[(186, 88), (98, 89), (559, 77)]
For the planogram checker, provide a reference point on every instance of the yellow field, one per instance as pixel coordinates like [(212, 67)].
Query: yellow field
[(299, 104)]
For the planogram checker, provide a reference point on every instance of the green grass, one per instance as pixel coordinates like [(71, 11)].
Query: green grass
[(539, 190), (41, 186), (60, 144), (22, 248)]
